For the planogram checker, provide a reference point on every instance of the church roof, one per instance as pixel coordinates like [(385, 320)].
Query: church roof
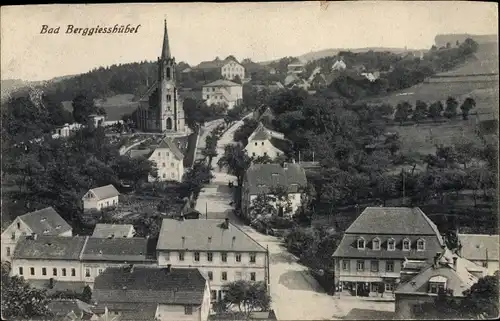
[(148, 93), (165, 52)]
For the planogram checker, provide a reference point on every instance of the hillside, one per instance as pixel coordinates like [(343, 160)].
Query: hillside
[(442, 40)]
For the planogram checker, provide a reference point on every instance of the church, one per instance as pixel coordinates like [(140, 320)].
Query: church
[(161, 110)]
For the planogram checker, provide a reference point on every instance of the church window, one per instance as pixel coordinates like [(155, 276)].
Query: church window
[(169, 97), (168, 72)]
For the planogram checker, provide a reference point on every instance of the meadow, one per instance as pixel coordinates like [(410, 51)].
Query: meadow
[(115, 106)]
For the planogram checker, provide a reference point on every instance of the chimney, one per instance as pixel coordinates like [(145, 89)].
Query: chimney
[(226, 222), (455, 263)]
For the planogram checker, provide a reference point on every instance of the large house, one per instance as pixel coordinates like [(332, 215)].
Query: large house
[(222, 252), (445, 272), (266, 142), (161, 109), (263, 178), (228, 68), (223, 92), (100, 197), (42, 222), (169, 161), (375, 246), (146, 293), (480, 249)]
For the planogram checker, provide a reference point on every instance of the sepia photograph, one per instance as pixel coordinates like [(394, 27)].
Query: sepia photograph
[(253, 161)]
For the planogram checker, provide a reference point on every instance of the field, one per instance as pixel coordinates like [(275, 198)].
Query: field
[(115, 106), (486, 62)]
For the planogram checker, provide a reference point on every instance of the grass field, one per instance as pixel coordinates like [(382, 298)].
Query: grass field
[(486, 62), (115, 106)]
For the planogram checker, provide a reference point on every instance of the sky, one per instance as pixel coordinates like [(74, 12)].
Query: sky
[(201, 31)]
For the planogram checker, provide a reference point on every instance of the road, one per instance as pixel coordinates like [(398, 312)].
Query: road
[(296, 295)]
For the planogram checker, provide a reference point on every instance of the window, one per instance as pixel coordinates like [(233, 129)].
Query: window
[(8, 251), (376, 244), (169, 98), (172, 175), (210, 256), (73, 272), (163, 165), (361, 244), (99, 272), (433, 288), (18, 225), (345, 265), (208, 96), (485, 264), (87, 272), (389, 287), (255, 143), (32, 271), (167, 154), (360, 265), (13, 236), (420, 245), (252, 258), (262, 144), (252, 276), (224, 276), (63, 271), (196, 256), (172, 165), (391, 245), (238, 257), (188, 309), (158, 153), (210, 275), (213, 295), (21, 270), (374, 266), (54, 271), (389, 266), (213, 89), (253, 154), (181, 256), (164, 175), (224, 257), (406, 245)]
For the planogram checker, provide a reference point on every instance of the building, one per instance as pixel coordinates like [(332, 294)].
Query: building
[(223, 92), (66, 130), (291, 79), (263, 178), (222, 252), (100, 198), (371, 76), (70, 309), (161, 109), (97, 120), (480, 249), (169, 161), (113, 230), (339, 65), (266, 142), (296, 68), (375, 246), (232, 68), (164, 293), (42, 222), (446, 272)]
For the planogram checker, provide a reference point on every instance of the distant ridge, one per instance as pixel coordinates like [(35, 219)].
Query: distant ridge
[(9, 85), (442, 39)]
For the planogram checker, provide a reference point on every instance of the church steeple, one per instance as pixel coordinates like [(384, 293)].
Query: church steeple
[(165, 53)]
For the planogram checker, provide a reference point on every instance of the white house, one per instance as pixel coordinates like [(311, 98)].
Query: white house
[(66, 130), (100, 197), (113, 230), (481, 249), (97, 120), (222, 252), (223, 92), (231, 69), (339, 65), (42, 222), (169, 161), (266, 142), (142, 293)]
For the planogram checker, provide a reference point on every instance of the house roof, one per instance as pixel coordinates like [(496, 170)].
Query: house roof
[(204, 235), (146, 313), (49, 247), (222, 83), (290, 79), (214, 64), (135, 153), (475, 246), (261, 177), (134, 249), (149, 285), (169, 144), (105, 192), (45, 222), (114, 230), (62, 307), (254, 315)]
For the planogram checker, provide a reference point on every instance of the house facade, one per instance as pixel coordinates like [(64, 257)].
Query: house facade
[(480, 249), (266, 142), (42, 222), (220, 250), (262, 178), (169, 161), (231, 69), (223, 92), (100, 198), (370, 257)]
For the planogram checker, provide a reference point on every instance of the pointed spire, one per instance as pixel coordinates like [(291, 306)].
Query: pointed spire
[(165, 53)]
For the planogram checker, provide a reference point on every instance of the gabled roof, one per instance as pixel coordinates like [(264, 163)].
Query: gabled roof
[(62, 307), (134, 249), (149, 285), (112, 230), (263, 133), (45, 222), (136, 153), (169, 144), (104, 192), (477, 247), (261, 177), (204, 235), (222, 83), (49, 247)]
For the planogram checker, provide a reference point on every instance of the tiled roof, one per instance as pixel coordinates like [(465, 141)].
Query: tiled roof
[(135, 153), (261, 177), (149, 285), (204, 235), (62, 307), (49, 247), (105, 192), (45, 222), (222, 83), (114, 230), (260, 134), (475, 246), (169, 144), (211, 64), (119, 249)]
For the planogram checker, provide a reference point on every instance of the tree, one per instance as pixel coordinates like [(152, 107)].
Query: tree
[(467, 105), (451, 108), (262, 205), (244, 131), (196, 177), (237, 79), (385, 186), (236, 160), (247, 296), (86, 294), (83, 107), (481, 300), (210, 150), (262, 160), (281, 199), (403, 110), (420, 112), (435, 110)]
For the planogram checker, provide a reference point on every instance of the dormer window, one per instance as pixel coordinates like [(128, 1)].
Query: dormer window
[(406, 245), (376, 244), (361, 244), (391, 244), (421, 245), (437, 283)]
